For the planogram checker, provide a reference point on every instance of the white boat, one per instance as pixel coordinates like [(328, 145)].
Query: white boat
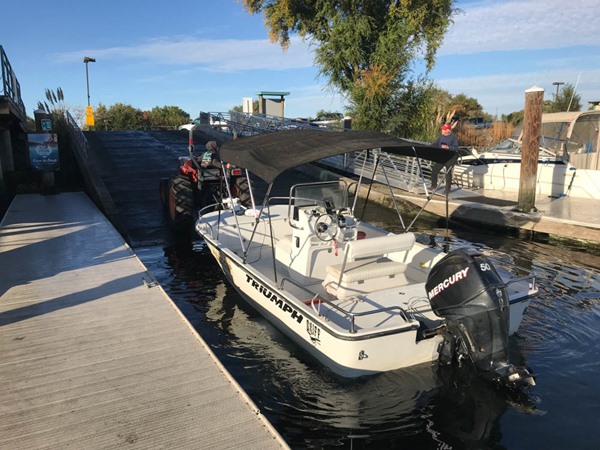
[(568, 162), (357, 298)]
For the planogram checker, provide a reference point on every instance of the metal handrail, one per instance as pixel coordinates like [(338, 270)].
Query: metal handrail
[(525, 278), (351, 315), (201, 212), (246, 124), (298, 285), (354, 315), (10, 85), (77, 134)]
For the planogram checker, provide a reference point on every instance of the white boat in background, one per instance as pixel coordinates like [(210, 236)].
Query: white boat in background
[(359, 299), (568, 165)]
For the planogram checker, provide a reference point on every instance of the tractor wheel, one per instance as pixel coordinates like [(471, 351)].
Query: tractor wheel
[(181, 202), (163, 190), (243, 189)]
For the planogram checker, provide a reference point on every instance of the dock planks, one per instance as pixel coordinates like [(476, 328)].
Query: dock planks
[(92, 355)]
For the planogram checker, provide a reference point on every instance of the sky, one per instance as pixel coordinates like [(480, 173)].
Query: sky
[(208, 55)]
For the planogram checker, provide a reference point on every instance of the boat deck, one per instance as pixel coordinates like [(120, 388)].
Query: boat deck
[(376, 311), (94, 353)]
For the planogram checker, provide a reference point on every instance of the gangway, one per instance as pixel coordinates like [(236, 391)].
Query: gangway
[(239, 124), (403, 172)]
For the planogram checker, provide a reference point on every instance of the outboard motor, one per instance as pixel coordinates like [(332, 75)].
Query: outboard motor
[(465, 289)]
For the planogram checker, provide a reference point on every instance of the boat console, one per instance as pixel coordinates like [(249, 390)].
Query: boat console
[(321, 224)]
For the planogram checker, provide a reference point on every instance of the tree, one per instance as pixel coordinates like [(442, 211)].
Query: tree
[(566, 100), (515, 117), (328, 115), (101, 118), (364, 48), (168, 116), (415, 111), (122, 116)]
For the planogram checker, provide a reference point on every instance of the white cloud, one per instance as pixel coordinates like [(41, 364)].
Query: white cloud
[(505, 93), (223, 55), (523, 25), (307, 100)]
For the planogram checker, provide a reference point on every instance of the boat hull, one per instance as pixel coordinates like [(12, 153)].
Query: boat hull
[(345, 353), (553, 178)]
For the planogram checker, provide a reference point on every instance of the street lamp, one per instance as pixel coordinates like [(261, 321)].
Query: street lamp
[(87, 60), (557, 84)]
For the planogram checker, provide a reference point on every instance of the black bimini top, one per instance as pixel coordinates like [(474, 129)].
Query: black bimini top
[(268, 155)]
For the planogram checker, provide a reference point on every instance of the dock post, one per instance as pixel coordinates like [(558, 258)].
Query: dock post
[(531, 148)]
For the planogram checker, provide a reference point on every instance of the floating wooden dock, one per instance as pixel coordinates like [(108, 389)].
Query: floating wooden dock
[(94, 354)]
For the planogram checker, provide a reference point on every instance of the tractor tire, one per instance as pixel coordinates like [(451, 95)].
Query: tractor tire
[(181, 202), (243, 190), (163, 190), (205, 195)]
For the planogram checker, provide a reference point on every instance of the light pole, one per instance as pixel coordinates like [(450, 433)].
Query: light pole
[(86, 60), (557, 84)]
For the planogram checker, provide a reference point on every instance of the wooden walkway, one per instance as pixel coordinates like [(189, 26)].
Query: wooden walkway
[(93, 355)]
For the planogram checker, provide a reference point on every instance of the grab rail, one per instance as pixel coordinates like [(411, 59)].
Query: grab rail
[(202, 210), (352, 315), (525, 278), (298, 285)]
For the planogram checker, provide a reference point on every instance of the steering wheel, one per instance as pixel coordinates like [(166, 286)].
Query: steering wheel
[(326, 227)]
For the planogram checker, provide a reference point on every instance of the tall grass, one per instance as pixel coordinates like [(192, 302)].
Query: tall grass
[(483, 138)]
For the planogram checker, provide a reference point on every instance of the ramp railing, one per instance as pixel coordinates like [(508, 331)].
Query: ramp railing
[(10, 87), (402, 172), (78, 138)]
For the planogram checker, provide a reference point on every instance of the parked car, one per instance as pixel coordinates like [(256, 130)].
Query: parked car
[(478, 122), (214, 120), (332, 120)]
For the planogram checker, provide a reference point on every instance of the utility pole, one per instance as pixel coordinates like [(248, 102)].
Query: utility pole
[(87, 60), (557, 84), (89, 112)]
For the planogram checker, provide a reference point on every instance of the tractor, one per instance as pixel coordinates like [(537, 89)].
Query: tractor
[(200, 182)]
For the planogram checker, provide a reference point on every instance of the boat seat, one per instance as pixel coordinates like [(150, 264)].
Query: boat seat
[(366, 267)]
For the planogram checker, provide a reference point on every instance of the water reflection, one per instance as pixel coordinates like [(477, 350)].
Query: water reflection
[(416, 408)]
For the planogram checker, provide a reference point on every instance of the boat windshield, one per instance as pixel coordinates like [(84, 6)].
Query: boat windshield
[(330, 194), (553, 136), (513, 147), (506, 146)]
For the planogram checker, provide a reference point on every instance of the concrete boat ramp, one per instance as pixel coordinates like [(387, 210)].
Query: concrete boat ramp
[(94, 354)]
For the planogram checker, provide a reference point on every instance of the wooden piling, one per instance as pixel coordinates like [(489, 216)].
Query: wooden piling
[(530, 148)]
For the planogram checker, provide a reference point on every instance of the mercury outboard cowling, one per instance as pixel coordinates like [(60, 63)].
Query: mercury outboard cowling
[(465, 289)]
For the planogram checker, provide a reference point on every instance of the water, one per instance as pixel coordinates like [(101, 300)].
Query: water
[(417, 408)]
